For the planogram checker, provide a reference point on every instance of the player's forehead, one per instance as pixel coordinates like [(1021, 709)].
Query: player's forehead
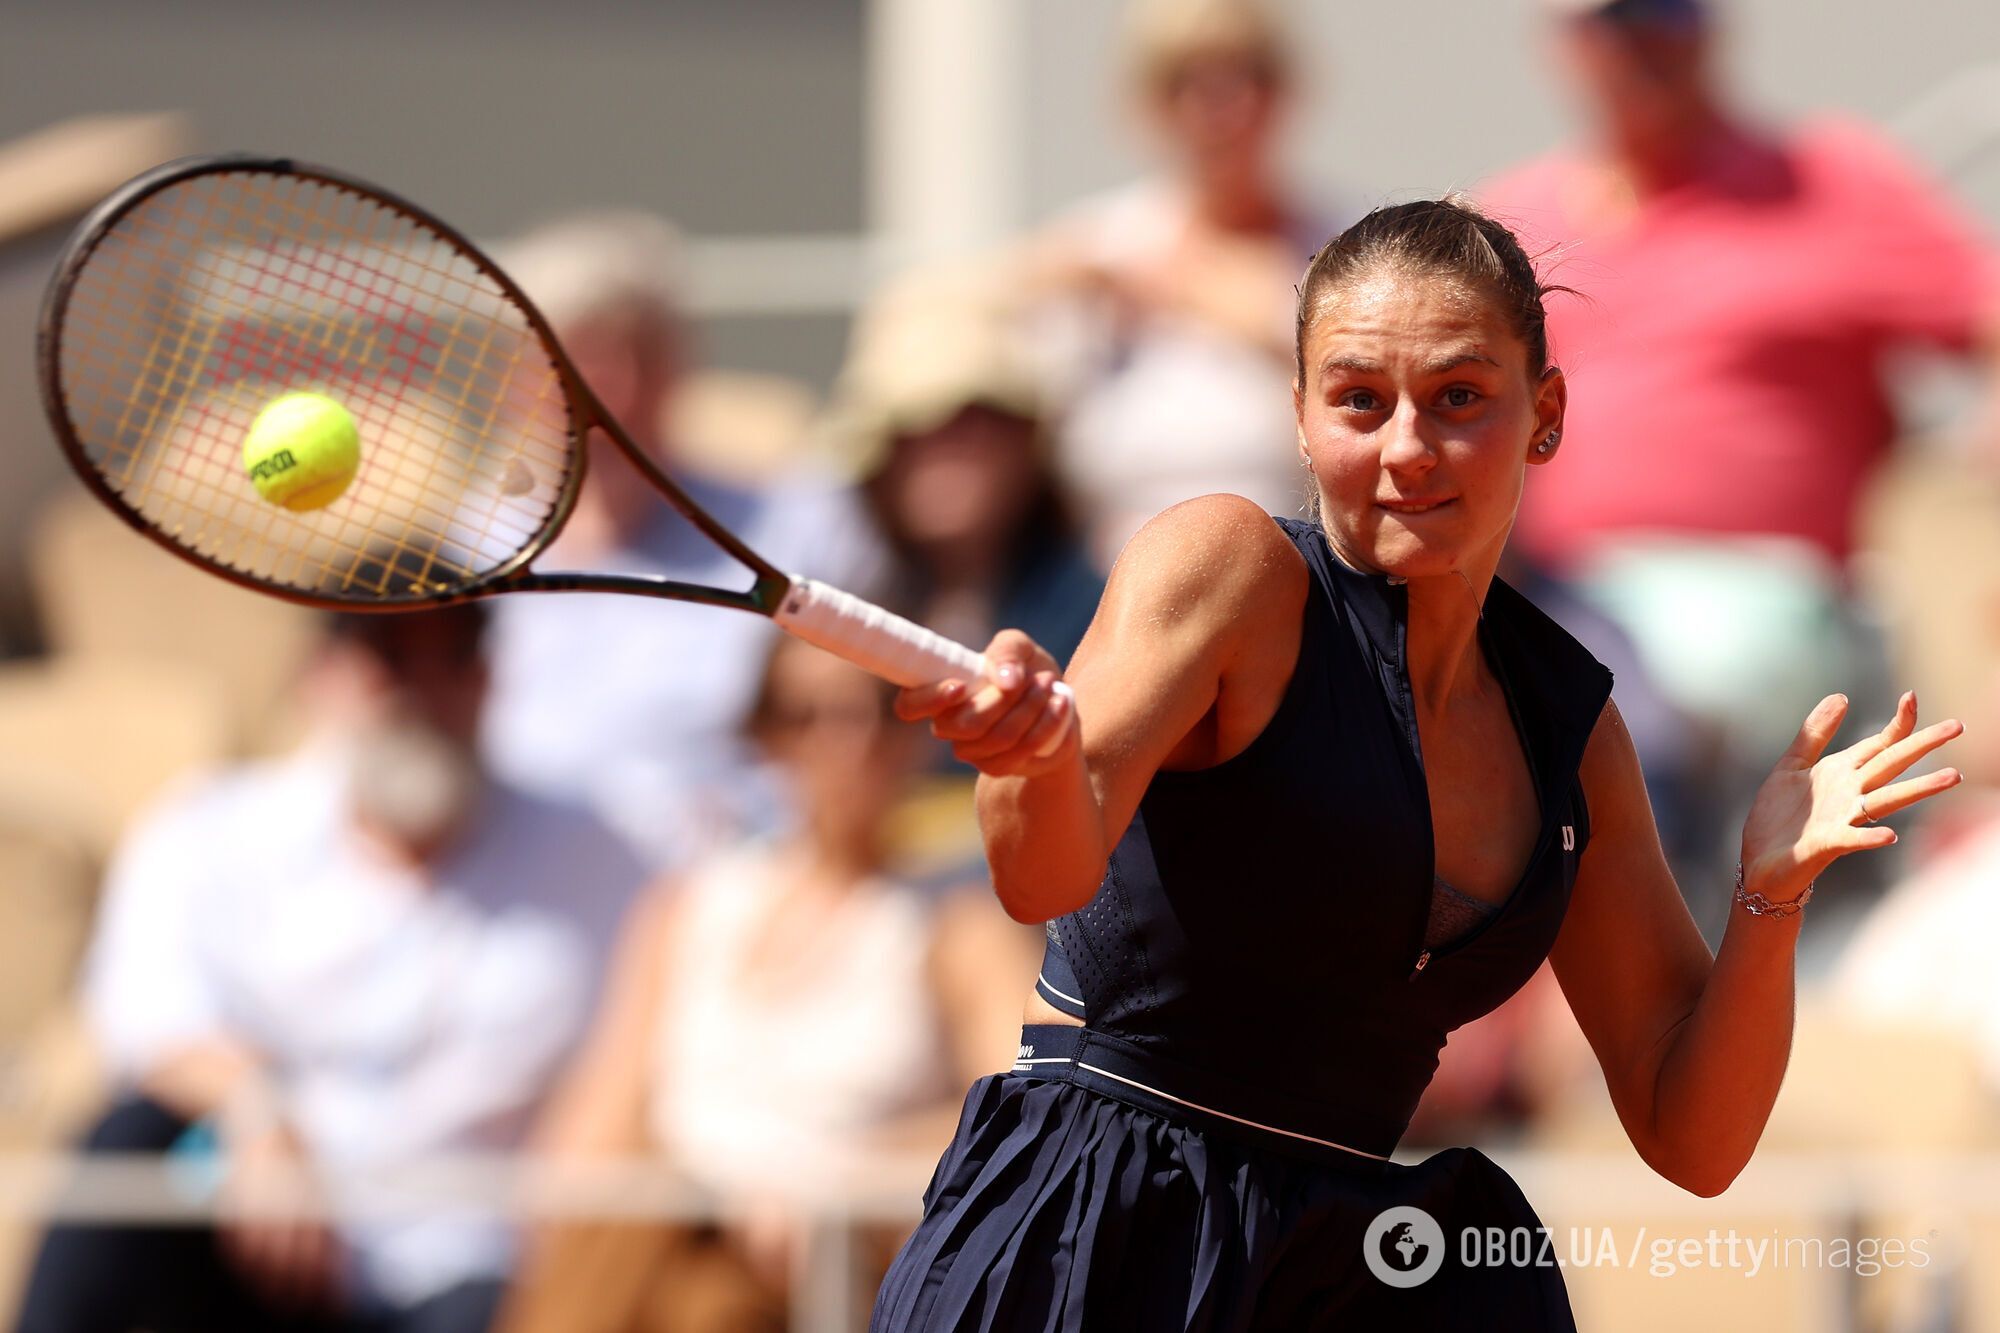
[(1388, 321)]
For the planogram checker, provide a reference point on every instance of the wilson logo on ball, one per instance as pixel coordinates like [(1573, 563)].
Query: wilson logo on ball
[(271, 466)]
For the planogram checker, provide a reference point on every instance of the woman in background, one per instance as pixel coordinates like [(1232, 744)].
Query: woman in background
[(785, 1022), (1162, 309), (941, 420)]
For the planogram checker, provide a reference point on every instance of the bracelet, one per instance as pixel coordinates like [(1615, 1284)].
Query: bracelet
[(1758, 905)]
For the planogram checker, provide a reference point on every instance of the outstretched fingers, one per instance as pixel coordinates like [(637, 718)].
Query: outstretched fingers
[(1894, 759), (1816, 732), (1886, 801), (1898, 728)]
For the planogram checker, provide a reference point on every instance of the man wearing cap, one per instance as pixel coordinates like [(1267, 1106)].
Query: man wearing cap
[(1739, 293)]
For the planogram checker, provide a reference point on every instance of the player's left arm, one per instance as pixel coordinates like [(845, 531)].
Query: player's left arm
[(1693, 1046)]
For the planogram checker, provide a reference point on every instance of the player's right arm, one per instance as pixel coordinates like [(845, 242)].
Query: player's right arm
[(1183, 665)]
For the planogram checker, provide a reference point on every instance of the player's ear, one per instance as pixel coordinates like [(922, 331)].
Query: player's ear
[(1551, 405), (1299, 423)]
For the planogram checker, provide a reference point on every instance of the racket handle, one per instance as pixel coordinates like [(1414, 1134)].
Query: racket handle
[(897, 650), (893, 648)]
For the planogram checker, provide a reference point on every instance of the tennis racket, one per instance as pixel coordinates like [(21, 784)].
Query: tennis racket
[(207, 287)]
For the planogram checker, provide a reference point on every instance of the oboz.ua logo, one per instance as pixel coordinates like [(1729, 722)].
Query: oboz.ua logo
[(1403, 1246)]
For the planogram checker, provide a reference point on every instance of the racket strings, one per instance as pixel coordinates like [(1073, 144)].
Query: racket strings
[(220, 292)]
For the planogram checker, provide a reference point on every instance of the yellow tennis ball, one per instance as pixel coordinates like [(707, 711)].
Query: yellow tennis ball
[(302, 451)]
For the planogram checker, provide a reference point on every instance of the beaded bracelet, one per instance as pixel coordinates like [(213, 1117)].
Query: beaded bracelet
[(1758, 905)]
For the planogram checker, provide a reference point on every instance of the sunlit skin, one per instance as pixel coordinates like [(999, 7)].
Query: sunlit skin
[(1419, 419), (1420, 416)]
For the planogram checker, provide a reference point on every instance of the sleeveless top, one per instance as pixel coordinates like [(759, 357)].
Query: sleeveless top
[(774, 1088), (1259, 937)]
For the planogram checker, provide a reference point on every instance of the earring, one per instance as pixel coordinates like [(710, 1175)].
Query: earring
[(1549, 441)]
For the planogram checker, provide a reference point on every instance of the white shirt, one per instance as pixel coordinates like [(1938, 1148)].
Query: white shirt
[(400, 1018), (771, 1090), (1176, 407), (633, 705)]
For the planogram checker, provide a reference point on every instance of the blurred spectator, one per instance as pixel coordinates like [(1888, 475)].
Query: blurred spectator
[(938, 414), (1740, 292), (1168, 322), (783, 1025), (1922, 956), (329, 965), (1673, 760), (634, 706)]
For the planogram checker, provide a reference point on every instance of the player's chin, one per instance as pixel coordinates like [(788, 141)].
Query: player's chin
[(1419, 550)]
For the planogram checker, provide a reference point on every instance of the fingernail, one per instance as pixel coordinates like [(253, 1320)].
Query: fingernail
[(1007, 676)]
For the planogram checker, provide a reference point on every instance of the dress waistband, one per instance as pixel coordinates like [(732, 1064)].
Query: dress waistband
[(1127, 1073)]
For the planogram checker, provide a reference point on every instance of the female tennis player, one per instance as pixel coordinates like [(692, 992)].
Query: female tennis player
[(1329, 790)]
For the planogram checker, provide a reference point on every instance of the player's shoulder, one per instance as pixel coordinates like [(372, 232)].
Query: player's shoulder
[(1228, 529), (1221, 551)]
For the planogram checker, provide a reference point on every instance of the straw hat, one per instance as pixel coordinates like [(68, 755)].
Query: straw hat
[(928, 346)]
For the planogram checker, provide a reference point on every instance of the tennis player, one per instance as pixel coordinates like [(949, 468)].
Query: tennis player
[(1328, 790)]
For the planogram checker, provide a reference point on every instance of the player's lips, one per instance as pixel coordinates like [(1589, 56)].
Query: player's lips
[(1416, 506)]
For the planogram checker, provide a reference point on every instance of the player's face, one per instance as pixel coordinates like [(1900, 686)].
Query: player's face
[(1418, 418)]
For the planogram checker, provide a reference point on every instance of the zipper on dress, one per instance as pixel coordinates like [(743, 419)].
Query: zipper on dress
[(1422, 959)]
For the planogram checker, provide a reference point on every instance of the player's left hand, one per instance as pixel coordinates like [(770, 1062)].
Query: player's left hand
[(1816, 808)]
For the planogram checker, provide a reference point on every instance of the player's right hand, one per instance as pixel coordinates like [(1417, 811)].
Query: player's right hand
[(1013, 722)]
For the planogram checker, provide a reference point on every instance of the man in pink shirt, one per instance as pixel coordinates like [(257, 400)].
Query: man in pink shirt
[(1741, 289), (1739, 292)]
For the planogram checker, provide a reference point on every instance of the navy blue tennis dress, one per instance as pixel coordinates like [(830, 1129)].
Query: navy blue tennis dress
[(1262, 1012)]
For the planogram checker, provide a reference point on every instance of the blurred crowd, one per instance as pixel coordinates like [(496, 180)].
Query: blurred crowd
[(602, 877)]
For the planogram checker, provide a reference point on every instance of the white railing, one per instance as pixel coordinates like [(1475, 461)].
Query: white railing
[(1829, 1197)]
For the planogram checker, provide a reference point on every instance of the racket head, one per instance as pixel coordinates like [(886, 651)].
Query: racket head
[(206, 287)]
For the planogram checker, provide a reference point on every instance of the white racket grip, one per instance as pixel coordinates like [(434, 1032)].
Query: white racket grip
[(880, 641), (893, 648)]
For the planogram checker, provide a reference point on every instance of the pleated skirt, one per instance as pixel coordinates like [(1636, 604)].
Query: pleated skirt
[(1060, 1208)]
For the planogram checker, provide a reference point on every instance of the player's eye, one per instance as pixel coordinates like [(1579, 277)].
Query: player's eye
[(1361, 400), (1459, 395)]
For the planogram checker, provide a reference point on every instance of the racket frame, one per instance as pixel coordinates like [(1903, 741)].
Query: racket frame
[(585, 413)]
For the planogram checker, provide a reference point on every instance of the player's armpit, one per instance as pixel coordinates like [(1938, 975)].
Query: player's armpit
[(1182, 666), (1191, 649)]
